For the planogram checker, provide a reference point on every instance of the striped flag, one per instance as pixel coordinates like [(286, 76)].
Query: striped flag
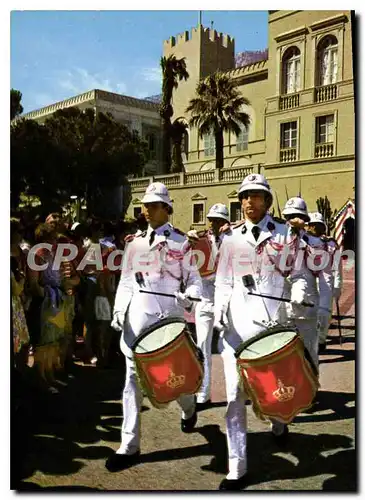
[(348, 210)]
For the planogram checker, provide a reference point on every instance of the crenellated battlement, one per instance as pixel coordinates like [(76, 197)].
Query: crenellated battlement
[(204, 34), (257, 66)]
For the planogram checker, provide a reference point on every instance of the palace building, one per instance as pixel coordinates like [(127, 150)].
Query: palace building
[(302, 131)]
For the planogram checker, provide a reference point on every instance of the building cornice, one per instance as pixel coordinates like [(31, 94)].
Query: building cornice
[(67, 103), (90, 96), (303, 30), (248, 69), (312, 161), (329, 21)]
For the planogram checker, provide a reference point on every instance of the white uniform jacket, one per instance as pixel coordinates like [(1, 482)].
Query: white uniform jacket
[(164, 266), (319, 259), (270, 267)]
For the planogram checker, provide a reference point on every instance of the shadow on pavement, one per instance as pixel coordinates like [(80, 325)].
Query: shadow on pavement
[(265, 465), (326, 400), (264, 462), (49, 431), (345, 355), (345, 470)]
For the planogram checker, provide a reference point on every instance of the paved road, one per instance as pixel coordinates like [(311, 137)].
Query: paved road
[(81, 428)]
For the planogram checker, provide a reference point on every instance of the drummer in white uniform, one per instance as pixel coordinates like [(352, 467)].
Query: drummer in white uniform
[(151, 261), (319, 278), (241, 316), (218, 217)]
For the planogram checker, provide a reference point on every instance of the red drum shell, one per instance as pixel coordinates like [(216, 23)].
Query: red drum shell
[(281, 384), (170, 371)]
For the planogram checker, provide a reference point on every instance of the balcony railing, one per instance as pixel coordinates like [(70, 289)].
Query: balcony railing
[(288, 154), (235, 174), (170, 180), (288, 101), (325, 93), (324, 150), (209, 177), (200, 177)]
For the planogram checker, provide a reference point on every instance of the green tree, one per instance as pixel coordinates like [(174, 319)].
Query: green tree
[(217, 109), (32, 161), (76, 152), (16, 108), (178, 129), (173, 72)]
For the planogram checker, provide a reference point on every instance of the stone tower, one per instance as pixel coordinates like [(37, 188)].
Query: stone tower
[(206, 51)]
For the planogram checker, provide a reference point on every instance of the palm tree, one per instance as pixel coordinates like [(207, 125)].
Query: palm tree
[(178, 129), (216, 108), (173, 71)]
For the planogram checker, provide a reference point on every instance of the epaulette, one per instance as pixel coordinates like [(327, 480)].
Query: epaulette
[(279, 220), (238, 224), (178, 231), (328, 239)]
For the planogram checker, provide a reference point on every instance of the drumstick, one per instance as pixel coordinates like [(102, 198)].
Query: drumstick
[(169, 295), (281, 299)]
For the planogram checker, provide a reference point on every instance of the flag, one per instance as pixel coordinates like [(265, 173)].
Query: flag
[(348, 210)]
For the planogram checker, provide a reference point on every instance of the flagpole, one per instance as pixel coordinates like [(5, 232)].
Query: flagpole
[(200, 17)]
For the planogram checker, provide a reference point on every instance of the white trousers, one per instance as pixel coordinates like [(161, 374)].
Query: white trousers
[(204, 321), (236, 417), (309, 334), (132, 402)]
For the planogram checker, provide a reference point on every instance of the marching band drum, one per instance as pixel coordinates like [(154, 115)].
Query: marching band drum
[(277, 373)]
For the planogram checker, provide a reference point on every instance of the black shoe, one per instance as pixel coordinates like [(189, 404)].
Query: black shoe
[(118, 461), (282, 438), (322, 348), (203, 406), (189, 424), (234, 484)]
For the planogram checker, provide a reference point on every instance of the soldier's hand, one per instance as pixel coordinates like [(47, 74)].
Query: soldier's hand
[(183, 301), (118, 321)]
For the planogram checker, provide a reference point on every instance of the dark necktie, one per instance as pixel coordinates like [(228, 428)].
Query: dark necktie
[(256, 232), (152, 237)]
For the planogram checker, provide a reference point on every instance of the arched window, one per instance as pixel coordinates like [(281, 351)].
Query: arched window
[(242, 139), (185, 144), (209, 144), (291, 71), (327, 60)]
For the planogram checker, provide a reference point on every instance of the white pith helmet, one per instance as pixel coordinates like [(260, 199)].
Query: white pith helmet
[(156, 192), (298, 206), (317, 218), (218, 211), (255, 182)]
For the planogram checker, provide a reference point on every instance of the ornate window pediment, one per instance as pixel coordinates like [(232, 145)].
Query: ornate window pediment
[(198, 196), (233, 194)]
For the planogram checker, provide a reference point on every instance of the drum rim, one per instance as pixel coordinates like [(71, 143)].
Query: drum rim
[(262, 335), (145, 332)]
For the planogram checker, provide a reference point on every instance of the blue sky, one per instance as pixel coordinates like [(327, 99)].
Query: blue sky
[(58, 54)]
